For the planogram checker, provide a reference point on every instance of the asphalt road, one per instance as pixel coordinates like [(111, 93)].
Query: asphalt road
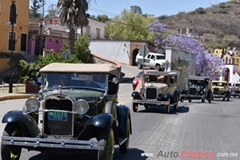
[(195, 129)]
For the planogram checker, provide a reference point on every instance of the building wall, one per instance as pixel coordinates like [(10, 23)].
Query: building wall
[(120, 51), (21, 24)]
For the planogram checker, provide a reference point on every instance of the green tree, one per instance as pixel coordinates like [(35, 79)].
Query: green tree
[(102, 18), (73, 13), (136, 9), (129, 26), (36, 5)]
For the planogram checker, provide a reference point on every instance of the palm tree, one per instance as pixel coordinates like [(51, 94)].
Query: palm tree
[(73, 14)]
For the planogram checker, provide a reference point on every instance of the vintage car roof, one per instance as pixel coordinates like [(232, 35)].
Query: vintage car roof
[(155, 72), (197, 77), (80, 67)]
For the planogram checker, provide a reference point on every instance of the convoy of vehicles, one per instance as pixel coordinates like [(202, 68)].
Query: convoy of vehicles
[(77, 115), (157, 89), (234, 89), (220, 90), (198, 88)]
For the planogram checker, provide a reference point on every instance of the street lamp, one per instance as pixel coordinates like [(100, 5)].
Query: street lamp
[(13, 22)]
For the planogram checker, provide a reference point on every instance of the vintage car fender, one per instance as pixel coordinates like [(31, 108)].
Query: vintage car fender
[(123, 113), (103, 120), (166, 97), (24, 119), (136, 95)]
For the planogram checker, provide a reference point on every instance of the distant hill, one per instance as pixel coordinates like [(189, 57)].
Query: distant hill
[(218, 25)]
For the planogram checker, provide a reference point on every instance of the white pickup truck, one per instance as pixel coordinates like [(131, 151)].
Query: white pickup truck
[(151, 60)]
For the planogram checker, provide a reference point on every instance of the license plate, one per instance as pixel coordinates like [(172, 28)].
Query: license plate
[(57, 116)]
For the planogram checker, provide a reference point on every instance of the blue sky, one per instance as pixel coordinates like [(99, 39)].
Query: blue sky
[(155, 7)]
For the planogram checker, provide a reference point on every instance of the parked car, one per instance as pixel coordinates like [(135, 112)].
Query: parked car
[(199, 88), (220, 90), (234, 89), (158, 89), (151, 60), (80, 114)]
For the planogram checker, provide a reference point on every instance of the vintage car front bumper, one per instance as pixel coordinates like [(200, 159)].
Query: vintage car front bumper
[(218, 95), (153, 102), (195, 96), (53, 143)]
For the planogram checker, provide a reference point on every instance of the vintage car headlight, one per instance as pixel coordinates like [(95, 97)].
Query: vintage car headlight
[(32, 104), (82, 106)]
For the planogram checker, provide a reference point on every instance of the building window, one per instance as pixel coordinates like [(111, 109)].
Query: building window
[(14, 10), (88, 31), (237, 60), (233, 61), (10, 41), (98, 33), (226, 60), (229, 61), (216, 51)]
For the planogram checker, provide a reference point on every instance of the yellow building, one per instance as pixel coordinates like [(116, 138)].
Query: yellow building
[(20, 29), (218, 52)]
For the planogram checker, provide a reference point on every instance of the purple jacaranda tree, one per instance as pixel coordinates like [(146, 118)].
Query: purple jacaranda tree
[(158, 30), (206, 64)]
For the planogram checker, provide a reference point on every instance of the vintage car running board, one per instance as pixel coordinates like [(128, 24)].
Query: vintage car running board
[(53, 143)]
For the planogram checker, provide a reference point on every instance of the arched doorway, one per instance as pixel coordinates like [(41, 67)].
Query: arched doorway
[(134, 55), (226, 78)]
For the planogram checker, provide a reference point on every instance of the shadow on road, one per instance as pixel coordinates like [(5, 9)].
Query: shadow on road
[(124, 79), (161, 110)]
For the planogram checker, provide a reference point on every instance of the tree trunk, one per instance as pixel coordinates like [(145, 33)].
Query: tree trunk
[(71, 39)]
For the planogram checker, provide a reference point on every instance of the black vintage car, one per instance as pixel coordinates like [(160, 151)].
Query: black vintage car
[(76, 110), (199, 88), (158, 89)]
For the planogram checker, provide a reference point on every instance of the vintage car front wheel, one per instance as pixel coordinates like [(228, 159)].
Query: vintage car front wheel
[(9, 152), (124, 146), (107, 153), (167, 107), (135, 107)]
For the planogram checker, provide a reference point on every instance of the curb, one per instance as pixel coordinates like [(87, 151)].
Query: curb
[(20, 96)]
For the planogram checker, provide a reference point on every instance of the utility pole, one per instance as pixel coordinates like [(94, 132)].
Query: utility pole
[(13, 22), (41, 28)]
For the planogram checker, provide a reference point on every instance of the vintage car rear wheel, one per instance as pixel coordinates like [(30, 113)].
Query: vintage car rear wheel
[(124, 147), (11, 152), (176, 105), (135, 107), (107, 153), (223, 98)]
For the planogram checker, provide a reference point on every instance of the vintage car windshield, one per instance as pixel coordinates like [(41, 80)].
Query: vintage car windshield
[(156, 79), (74, 80), (196, 83), (219, 84)]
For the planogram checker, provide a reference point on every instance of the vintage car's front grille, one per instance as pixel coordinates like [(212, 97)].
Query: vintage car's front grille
[(193, 91), (58, 123), (151, 93), (216, 91)]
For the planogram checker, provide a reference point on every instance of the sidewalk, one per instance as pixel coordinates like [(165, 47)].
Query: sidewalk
[(7, 96)]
